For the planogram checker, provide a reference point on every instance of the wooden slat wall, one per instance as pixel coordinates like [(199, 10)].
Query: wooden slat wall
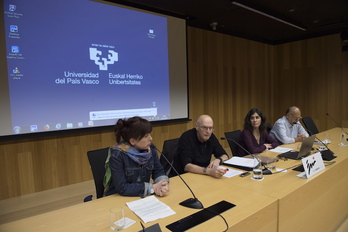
[(313, 74), (227, 77)]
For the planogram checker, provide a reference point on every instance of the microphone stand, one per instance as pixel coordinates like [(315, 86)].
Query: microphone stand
[(342, 139), (191, 202), (338, 125), (264, 171)]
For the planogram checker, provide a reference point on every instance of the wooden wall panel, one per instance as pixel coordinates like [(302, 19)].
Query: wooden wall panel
[(236, 74), (227, 77), (313, 75), (37, 164)]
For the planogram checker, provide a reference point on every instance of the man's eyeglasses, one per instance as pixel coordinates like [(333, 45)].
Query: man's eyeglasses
[(207, 128), (296, 118)]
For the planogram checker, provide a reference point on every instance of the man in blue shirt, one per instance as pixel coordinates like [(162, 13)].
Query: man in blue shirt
[(288, 129)]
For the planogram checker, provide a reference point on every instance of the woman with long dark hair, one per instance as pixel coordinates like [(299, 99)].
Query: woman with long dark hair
[(255, 138)]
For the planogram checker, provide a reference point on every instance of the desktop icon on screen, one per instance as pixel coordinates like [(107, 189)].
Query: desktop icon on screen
[(17, 129), (58, 126), (151, 34), (69, 125), (13, 28), (14, 49), (12, 7), (16, 70), (46, 127)]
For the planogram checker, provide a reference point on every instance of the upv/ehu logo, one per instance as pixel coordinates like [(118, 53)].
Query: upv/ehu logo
[(102, 62)]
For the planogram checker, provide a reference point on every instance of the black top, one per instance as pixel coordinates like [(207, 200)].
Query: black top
[(191, 150)]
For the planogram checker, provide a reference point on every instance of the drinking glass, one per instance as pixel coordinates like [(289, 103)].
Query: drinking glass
[(116, 218), (343, 140), (271, 164), (257, 170), (327, 138)]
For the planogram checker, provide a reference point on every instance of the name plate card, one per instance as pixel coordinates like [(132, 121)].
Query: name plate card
[(312, 165)]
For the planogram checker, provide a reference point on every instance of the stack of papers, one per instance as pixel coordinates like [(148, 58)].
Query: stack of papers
[(150, 209), (280, 149), (241, 163)]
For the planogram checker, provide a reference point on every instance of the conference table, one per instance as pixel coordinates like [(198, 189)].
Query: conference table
[(319, 203), (280, 202)]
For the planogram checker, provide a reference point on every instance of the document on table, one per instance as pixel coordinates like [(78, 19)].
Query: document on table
[(240, 161), (150, 209), (230, 172), (280, 149)]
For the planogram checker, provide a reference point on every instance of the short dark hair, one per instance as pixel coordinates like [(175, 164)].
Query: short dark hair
[(135, 127), (247, 124)]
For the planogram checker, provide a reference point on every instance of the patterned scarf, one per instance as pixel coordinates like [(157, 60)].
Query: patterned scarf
[(134, 154)]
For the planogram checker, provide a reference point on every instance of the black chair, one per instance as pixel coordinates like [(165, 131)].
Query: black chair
[(97, 160), (235, 136), (169, 150), (310, 125)]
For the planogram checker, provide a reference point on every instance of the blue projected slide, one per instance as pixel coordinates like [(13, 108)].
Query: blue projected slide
[(79, 63)]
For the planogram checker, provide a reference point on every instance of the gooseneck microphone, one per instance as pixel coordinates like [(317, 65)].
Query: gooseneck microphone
[(264, 171), (326, 154), (191, 202), (337, 124)]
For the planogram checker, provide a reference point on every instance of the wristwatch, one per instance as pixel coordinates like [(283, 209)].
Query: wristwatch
[(204, 170), (152, 191)]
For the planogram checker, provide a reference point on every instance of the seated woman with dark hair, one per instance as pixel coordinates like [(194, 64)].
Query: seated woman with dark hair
[(132, 162), (254, 138)]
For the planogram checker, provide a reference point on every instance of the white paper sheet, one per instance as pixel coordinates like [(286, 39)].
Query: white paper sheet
[(280, 149), (240, 161), (150, 209), (231, 172), (127, 222)]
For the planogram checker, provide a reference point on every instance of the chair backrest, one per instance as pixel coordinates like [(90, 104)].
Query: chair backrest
[(310, 125), (235, 136), (97, 160), (169, 150)]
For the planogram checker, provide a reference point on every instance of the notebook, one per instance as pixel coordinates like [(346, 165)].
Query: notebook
[(305, 149)]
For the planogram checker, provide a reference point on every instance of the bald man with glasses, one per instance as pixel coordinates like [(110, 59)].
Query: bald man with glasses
[(288, 129), (196, 147)]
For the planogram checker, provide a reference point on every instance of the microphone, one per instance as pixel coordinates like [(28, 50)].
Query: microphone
[(264, 171), (326, 154), (337, 124), (191, 202)]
